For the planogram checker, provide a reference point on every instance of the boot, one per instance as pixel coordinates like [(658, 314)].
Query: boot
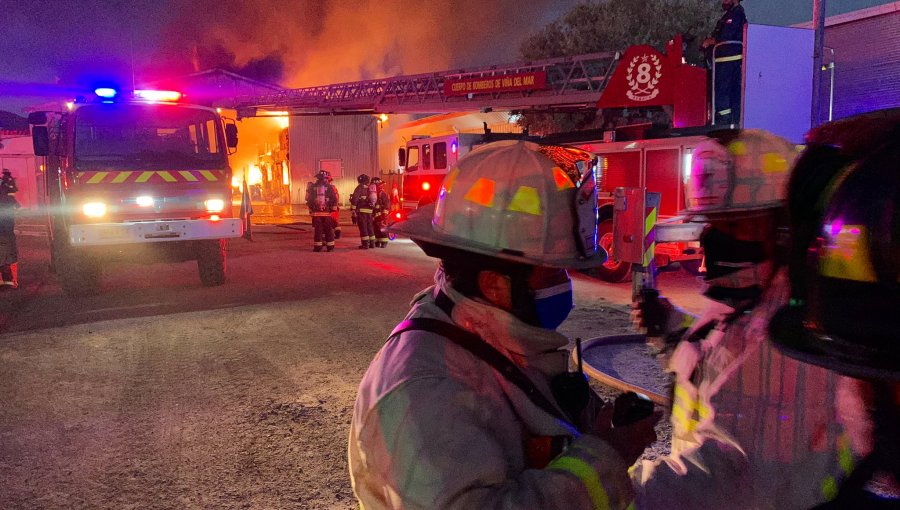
[(364, 245), (317, 248), (330, 248), (382, 244)]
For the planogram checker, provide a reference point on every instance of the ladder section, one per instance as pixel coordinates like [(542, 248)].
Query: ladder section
[(557, 84)]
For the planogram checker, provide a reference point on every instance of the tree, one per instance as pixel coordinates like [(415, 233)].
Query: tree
[(614, 25)]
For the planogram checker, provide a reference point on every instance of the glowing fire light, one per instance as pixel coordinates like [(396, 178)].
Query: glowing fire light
[(254, 175)]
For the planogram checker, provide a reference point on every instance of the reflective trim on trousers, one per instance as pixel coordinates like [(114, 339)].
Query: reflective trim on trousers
[(588, 477), (729, 59)]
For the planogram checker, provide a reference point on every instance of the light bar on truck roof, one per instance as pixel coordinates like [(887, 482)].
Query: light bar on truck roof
[(106, 92), (157, 95)]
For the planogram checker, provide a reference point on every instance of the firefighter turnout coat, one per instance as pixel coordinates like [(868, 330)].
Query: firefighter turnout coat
[(434, 426), (751, 428)]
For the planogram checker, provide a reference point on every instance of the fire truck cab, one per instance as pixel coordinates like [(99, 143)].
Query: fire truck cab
[(144, 178), (424, 162)]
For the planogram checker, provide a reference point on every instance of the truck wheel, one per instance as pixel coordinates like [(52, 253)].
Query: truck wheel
[(612, 270), (79, 275), (692, 266), (211, 262)]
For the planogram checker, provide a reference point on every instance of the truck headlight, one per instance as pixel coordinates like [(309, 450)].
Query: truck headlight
[(94, 209), (214, 205)]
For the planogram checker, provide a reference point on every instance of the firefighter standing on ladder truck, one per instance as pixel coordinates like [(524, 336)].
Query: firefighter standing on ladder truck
[(751, 428), (726, 58), (361, 211), (321, 200), (380, 212)]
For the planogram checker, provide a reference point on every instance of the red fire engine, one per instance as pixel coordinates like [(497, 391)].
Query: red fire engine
[(141, 178)]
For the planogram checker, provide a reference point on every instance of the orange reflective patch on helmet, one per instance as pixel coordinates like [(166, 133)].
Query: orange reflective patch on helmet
[(526, 200), (737, 148), (562, 180), (845, 254), (482, 192), (773, 162)]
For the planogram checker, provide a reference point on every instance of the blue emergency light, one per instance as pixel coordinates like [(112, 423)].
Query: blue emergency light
[(106, 92)]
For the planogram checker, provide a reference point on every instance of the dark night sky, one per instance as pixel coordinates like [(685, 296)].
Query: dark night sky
[(80, 41)]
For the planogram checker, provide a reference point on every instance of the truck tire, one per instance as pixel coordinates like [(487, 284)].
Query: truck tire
[(211, 262), (78, 273), (612, 270)]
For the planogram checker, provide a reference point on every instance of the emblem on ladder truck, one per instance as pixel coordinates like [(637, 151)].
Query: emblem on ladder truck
[(643, 75)]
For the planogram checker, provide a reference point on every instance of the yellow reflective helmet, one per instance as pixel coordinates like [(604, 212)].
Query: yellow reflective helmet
[(519, 201), (745, 171)]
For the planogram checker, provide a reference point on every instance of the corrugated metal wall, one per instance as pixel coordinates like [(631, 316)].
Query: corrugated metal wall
[(353, 139), (867, 68)]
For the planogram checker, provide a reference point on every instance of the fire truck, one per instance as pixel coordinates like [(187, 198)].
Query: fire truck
[(137, 177), (779, 60)]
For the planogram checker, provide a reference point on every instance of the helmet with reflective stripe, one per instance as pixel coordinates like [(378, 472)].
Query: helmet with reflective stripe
[(518, 201), (323, 175), (740, 171), (363, 179), (848, 319)]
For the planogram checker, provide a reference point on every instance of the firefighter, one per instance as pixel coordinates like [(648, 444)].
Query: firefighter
[(845, 316), (727, 62), (470, 404), (361, 204), (336, 213), (380, 212), (9, 253), (750, 427), (322, 201)]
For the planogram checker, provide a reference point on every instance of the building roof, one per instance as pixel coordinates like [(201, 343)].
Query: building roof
[(847, 17)]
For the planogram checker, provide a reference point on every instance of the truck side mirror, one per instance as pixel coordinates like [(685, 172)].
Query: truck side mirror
[(40, 139), (401, 157), (231, 135), (35, 118)]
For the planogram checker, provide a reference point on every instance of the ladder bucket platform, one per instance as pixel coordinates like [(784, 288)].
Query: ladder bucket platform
[(624, 363)]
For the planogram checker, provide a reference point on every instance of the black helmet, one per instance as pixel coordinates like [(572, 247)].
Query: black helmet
[(363, 179), (377, 181), (848, 319), (323, 175)]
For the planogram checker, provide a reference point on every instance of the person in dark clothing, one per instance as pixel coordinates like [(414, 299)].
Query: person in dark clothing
[(336, 213), (380, 213), (361, 207), (727, 60), (9, 253), (321, 199)]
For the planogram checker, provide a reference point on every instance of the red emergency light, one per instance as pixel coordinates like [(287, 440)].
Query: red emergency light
[(168, 96), (426, 185)]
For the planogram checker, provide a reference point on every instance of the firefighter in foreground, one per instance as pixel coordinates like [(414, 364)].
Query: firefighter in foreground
[(726, 59), (380, 212), (470, 404), (844, 311), (361, 212), (751, 428), (321, 200), (9, 253)]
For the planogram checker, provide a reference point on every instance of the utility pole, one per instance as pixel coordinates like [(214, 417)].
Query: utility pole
[(818, 58)]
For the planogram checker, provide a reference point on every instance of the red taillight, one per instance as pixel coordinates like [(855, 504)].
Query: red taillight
[(398, 215), (214, 217), (426, 185)]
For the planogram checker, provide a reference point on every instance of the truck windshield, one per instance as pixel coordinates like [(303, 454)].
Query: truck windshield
[(151, 136)]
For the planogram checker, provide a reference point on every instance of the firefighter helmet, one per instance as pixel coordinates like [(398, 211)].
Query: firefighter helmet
[(740, 171), (377, 181), (363, 179), (323, 175), (848, 319), (517, 201)]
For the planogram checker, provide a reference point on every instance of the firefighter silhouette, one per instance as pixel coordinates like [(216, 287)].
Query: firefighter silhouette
[(380, 211), (336, 213), (321, 200), (362, 204), (9, 253)]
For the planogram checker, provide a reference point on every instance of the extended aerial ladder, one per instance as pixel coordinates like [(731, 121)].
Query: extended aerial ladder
[(556, 84)]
